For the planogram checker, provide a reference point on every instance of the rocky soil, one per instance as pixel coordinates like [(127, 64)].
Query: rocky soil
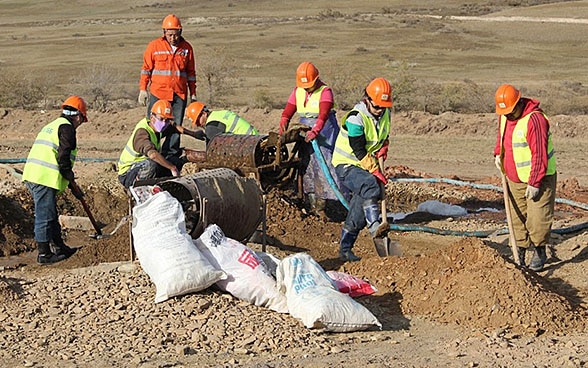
[(450, 300)]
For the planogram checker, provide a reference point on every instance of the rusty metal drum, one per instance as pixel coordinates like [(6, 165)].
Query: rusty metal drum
[(219, 196)]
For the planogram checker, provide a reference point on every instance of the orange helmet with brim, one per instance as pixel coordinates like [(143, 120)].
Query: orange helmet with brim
[(306, 75), (506, 98), (77, 103), (163, 108), (379, 91)]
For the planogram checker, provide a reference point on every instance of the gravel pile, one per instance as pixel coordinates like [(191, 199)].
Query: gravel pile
[(105, 315)]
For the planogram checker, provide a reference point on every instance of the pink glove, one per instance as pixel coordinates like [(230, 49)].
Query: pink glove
[(283, 125), (310, 135), (381, 178), (383, 151)]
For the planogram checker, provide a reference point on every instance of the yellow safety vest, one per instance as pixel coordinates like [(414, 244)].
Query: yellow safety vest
[(520, 148), (129, 156), (343, 153), (233, 123), (41, 166)]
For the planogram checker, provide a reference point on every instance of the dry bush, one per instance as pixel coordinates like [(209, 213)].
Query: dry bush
[(103, 88), (262, 100), (565, 98), (347, 84), (219, 71), (20, 90)]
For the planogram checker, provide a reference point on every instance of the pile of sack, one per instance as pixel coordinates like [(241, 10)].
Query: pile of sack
[(297, 284)]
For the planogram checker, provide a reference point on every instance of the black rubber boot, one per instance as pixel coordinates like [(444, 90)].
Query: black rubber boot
[(538, 260), (46, 256), (371, 210), (522, 254), (61, 249), (347, 240)]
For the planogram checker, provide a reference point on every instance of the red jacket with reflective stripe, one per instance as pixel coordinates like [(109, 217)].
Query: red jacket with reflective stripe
[(169, 72)]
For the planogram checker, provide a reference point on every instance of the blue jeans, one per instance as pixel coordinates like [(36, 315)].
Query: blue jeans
[(171, 144), (363, 186), (46, 224)]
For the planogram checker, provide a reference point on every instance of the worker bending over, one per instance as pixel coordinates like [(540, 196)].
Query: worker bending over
[(218, 121)]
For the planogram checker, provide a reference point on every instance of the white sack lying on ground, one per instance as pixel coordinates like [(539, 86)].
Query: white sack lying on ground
[(166, 251), (313, 298), (248, 277), (441, 209)]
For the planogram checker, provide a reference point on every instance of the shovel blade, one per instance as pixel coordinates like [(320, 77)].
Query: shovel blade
[(386, 247)]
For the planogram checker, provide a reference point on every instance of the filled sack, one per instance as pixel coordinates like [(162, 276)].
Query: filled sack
[(248, 277), (166, 251), (314, 299)]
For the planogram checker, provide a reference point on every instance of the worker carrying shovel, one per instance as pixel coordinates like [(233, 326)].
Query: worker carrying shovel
[(362, 140), (141, 158), (48, 171), (524, 154)]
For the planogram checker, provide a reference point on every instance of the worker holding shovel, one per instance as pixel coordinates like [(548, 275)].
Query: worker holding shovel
[(362, 140), (48, 171), (141, 158), (525, 156)]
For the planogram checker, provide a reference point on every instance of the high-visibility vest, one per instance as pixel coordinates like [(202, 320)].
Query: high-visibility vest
[(375, 138), (233, 123), (129, 156), (42, 166), (308, 108), (167, 70), (520, 148), (308, 112)]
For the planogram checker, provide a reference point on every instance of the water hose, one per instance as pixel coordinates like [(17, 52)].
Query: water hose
[(478, 186), (327, 172)]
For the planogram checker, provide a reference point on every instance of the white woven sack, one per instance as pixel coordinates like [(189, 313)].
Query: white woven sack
[(313, 298), (165, 250), (248, 277)]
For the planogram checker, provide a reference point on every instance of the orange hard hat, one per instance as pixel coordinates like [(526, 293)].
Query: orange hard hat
[(77, 103), (506, 99), (163, 108), (194, 110), (306, 75), (380, 92), (171, 22)]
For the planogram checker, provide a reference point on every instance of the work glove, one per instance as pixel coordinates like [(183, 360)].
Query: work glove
[(498, 162), (310, 135), (381, 178), (283, 125), (175, 172), (383, 151), (198, 134), (75, 190), (369, 163), (193, 98), (143, 97), (531, 192)]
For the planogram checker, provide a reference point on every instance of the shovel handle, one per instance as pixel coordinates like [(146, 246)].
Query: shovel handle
[(87, 210), (511, 237)]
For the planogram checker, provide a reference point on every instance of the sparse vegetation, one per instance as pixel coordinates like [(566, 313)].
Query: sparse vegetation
[(218, 70)]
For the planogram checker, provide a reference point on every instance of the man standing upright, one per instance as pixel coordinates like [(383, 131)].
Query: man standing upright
[(524, 153), (169, 71), (48, 171)]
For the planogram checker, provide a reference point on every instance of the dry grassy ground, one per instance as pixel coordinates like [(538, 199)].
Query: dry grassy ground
[(449, 302)]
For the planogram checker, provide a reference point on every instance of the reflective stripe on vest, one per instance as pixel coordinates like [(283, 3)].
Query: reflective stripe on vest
[(233, 123), (520, 148), (129, 156), (42, 166), (343, 153)]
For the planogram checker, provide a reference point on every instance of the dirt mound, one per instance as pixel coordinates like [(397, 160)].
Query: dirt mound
[(472, 285)]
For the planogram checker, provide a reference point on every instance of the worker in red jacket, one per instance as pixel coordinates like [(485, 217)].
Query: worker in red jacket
[(524, 153), (169, 71)]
